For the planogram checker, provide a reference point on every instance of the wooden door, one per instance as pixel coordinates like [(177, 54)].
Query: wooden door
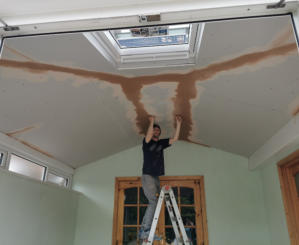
[(289, 177), (130, 205)]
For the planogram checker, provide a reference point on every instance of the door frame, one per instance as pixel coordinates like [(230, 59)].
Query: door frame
[(288, 193), (117, 212)]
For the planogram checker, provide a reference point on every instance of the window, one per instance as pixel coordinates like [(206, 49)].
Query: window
[(2, 158), (148, 47), (152, 36), (16, 163), (130, 205), (56, 179), (25, 167)]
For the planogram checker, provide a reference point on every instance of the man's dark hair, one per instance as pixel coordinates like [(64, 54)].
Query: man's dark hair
[(157, 126)]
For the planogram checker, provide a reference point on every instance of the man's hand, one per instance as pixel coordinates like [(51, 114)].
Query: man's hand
[(151, 118), (179, 120), (150, 130)]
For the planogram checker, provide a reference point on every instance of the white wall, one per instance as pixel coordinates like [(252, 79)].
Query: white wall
[(234, 196), (32, 213)]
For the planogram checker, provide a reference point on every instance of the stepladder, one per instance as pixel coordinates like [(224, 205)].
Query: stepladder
[(167, 196)]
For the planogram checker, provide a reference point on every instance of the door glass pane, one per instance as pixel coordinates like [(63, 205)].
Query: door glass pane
[(141, 214), (187, 195), (129, 235), (143, 199), (188, 215), (170, 236), (131, 195), (175, 192), (191, 234), (22, 166), (167, 218), (297, 182), (130, 216)]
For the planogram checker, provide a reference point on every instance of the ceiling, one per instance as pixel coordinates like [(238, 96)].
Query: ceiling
[(60, 96)]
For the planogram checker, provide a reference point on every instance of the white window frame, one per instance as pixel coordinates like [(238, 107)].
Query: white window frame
[(27, 159), (4, 160), (52, 171), (7, 156), (148, 57)]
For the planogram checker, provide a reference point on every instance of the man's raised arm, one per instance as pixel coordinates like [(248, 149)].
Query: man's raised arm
[(150, 130), (177, 131)]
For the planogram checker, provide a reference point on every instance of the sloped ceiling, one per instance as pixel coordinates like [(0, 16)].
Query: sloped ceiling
[(61, 97)]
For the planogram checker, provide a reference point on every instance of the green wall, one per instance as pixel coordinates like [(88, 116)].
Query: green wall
[(32, 213), (234, 196), (274, 205)]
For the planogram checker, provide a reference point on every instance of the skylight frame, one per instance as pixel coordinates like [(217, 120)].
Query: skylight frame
[(148, 57), (169, 29)]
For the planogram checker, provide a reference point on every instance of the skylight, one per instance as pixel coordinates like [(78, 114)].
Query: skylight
[(152, 36), (149, 47)]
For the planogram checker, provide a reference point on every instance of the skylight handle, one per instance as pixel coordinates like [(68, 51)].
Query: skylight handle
[(149, 18), (280, 4)]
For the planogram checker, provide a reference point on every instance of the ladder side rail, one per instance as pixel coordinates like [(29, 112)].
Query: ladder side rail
[(155, 220), (179, 218), (173, 219)]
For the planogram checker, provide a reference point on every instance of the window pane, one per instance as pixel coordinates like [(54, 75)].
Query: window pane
[(187, 195), (170, 236), (167, 218), (143, 199), (130, 216), (152, 36), (191, 234), (129, 236), (1, 158), (188, 216), (53, 178), (141, 214), (131, 195), (25, 167), (175, 192), (297, 182)]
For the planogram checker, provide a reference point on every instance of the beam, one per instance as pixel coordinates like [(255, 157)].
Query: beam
[(280, 145), (128, 16)]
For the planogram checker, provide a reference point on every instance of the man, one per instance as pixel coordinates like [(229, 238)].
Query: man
[(153, 167)]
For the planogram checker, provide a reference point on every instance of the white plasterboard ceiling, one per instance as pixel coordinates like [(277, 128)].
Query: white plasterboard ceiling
[(246, 88)]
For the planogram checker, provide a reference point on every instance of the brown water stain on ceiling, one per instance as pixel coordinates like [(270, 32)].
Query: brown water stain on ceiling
[(14, 135), (18, 53), (186, 83), (296, 111), (283, 37), (20, 131)]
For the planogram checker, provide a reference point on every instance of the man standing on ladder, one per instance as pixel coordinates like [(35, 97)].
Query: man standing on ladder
[(153, 167)]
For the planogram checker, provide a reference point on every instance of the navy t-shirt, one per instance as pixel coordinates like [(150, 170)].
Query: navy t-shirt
[(153, 157)]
